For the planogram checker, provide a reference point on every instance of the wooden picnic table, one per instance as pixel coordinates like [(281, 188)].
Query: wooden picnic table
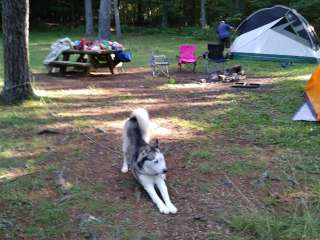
[(87, 59)]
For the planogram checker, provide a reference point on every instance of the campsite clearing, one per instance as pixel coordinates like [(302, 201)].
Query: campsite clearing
[(220, 141), (223, 137)]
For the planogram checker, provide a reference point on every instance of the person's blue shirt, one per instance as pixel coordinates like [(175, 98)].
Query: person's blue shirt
[(223, 30)]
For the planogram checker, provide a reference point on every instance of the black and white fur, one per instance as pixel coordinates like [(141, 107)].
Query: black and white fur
[(145, 159)]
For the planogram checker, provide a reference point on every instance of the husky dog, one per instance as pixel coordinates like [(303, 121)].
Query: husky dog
[(145, 159)]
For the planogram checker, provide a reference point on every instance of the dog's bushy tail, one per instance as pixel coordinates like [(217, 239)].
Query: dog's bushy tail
[(144, 123)]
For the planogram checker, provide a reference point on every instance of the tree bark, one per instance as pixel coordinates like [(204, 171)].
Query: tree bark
[(117, 18), (104, 20), (203, 18), (72, 13), (164, 19), (239, 5), (17, 74), (89, 17), (139, 13)]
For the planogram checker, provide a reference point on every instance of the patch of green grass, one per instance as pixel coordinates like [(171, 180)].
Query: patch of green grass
[(12, 143), (201, 154), (239, 167), (119, 231), (273, 69), (258, 226), (303, 162), (240, 160), (27, 115), (50, 214), (190, 124), (49, 221), (205, 157), (74, 152), (43, 233), (128, 183), (85, 199), (13, 196), (125, 97), (15, 155), (20, 120), (265, 118), (243, 167), (172, 81)]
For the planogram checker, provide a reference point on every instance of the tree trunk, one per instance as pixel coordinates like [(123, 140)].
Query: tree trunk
[(203, 19), (164, 20), (17, 75), (239, 5), (89, 17), (117, 18), (139, 13), (72, 13), (104, 20)]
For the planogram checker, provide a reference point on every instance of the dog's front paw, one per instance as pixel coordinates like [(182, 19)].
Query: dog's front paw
[(172, 208), (164, 209), (124, 169)]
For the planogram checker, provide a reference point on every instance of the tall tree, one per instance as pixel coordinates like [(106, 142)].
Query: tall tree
[(89, 17), (104, 19), (117, 18), (203, 18), (164, 17), (17, 75), (140, 12)]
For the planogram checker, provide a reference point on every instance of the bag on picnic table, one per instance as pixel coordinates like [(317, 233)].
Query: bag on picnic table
[(57, 48), (123, 56)]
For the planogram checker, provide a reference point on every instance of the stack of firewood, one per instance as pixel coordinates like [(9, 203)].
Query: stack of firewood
[(233, 74)]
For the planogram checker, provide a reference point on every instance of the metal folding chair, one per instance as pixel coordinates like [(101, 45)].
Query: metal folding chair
[(159, 65)]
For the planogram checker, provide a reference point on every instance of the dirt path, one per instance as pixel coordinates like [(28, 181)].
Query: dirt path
[(204, 200)]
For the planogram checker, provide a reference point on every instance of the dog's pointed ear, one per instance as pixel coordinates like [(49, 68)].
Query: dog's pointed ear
[(146, 148), (156, 143)]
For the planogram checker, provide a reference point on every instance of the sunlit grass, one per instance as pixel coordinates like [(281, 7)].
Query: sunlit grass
[(71, 93), (13, 173), (188, 124)]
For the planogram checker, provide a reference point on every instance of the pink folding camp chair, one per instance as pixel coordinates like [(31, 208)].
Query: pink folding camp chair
[(187, 55)]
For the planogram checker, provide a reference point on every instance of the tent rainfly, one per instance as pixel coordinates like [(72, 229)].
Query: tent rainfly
[(310, 110), (277, 33)]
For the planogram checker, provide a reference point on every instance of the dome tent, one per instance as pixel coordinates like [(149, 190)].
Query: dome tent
[(276, 33), (310, 109)]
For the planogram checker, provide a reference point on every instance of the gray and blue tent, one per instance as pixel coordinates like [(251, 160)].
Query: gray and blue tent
[(276, 33)]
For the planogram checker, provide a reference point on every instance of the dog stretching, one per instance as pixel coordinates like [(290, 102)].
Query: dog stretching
[(145, 159)]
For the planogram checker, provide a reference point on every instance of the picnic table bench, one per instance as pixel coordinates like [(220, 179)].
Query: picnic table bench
[(64, 64), (86, 60)]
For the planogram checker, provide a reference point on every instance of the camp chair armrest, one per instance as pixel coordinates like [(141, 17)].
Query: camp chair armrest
[(205, 55)]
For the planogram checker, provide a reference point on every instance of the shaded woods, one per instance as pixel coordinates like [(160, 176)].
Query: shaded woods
[(154, 13)]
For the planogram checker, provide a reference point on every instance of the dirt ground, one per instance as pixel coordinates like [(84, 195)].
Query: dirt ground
[(102, 102)]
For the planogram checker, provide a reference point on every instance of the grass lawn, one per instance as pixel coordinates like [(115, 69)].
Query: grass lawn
[(242, 135)]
